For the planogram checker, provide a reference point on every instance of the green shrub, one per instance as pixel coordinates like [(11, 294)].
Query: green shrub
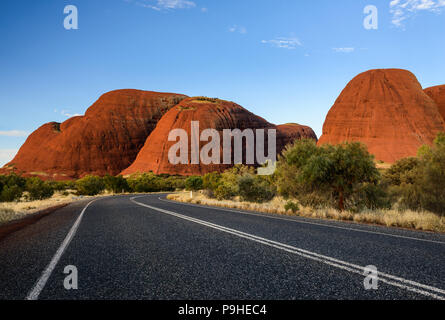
[(421, 185), (210, 181), (226, 191), (90, 186), (292, 206), (149, 182), (194, 183), (62, 185), (11, 193), (38, 189), (176, 183), (403, 171), (254, 188), (115, 184), (431, 176), (11, 187), (228, 184)]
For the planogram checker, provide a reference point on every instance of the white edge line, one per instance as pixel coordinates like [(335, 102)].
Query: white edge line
[(260, 214), (40, 284), (308, 254)]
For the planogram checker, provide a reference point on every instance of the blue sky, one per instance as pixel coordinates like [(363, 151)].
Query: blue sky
[(285, 60)]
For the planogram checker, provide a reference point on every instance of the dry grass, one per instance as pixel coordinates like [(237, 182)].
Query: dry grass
[(425, 221), (10, 211)]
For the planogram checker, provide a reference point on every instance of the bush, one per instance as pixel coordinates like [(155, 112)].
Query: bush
[(176, 183), (115, 184), (11, 187), (255, 188), (228, 184), (149, 182), (11, 193), (226, 191), (292, 206), (419, 183), (194, 183), (38, 189), (403, 171), (369, 196), (62, 185), (211, 181), (431, 176), (90, 186)]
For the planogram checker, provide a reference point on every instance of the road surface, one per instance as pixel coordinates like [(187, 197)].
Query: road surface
[(147, 247)]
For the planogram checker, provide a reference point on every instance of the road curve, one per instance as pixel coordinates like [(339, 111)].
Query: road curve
[(146, 247)]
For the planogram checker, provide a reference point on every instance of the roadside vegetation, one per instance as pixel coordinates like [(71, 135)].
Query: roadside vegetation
[(21, 196), (339, 182)]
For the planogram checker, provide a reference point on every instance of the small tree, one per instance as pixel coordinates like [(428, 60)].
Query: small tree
[(338, 170)]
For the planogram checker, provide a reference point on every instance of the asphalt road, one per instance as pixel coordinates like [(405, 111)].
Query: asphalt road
[(146, 247)]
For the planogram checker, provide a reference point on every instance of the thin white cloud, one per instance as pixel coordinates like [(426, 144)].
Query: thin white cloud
[(344, 50), (69, 115), (66, 113), (282, 42), (402, 10), (14, 133), (239, 29), (159, 5), (6, 155)]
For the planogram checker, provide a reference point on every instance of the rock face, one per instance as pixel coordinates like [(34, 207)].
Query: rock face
[(211, 114), (388, 111), (437, 93), (105, 140), (294, 131)]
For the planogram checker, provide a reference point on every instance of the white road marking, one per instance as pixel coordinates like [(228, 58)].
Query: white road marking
[(353, 268), (304, 222), (40, 284)]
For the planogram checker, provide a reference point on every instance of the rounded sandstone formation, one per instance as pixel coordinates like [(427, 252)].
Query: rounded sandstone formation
[(211, 114), (437, 93), (294, 131), (388, 111), (105, 140)]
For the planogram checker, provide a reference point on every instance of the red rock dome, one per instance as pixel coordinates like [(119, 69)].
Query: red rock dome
[(105, 140), (388, 111), (211, 113)]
